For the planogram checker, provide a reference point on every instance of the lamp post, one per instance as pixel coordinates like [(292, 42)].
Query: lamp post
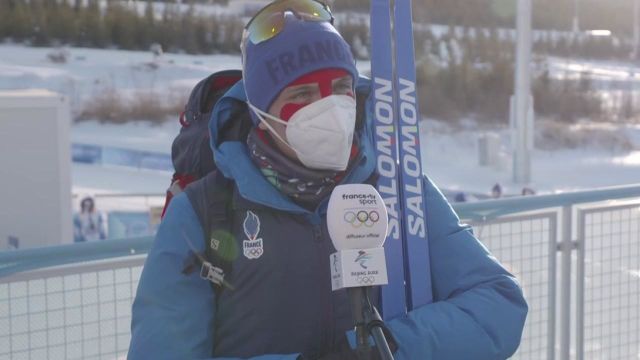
[(636, 30), (522, 102), (576, 22)]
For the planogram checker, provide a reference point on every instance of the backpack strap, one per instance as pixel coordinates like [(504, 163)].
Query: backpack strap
[(178, 183), (211, 198)]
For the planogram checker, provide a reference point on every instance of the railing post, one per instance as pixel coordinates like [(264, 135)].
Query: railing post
[(553, 283), (566, 246), (580, 279)]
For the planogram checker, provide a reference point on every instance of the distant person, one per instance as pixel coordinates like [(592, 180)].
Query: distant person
[(13, 242), (88, 224), (460, 197), (528, 191), (496, 191)]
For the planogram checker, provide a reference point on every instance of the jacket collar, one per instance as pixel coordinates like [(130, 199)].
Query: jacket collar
[(232, 157)]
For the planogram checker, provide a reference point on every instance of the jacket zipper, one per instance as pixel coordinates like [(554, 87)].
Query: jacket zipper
[(328, 323), (317, 239)]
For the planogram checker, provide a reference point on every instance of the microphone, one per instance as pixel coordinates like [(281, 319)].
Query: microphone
[(358, 224)]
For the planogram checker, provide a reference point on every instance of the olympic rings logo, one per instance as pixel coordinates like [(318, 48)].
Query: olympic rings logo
[(365, 280), (255, 253), (362, 217), (253, 249)]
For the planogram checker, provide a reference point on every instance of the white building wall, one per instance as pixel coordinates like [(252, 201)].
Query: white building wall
[(35, 169)]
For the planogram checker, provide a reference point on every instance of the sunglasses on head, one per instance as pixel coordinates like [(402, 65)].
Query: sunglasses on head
[(269, 21)]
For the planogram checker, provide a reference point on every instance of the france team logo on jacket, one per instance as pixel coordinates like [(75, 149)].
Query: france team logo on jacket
[(252, 247)]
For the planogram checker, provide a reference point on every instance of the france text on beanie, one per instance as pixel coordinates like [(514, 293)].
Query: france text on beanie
[(302, 47)]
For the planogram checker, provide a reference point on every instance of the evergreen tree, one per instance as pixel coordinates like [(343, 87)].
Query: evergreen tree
[(169, 28), (19, 23), (204, 34), (5, 13), (40, 31), (62, 21), (188, 38), (121, 25), (146, 27), (91, 29)]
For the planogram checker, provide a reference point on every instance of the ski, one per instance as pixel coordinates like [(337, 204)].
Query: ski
[(416, 247), (385, 135)]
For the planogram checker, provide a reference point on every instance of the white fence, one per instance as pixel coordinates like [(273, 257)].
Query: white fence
[(82, 311), (577, 257)]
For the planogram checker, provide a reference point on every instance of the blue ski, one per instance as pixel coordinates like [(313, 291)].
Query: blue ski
[(416, 247), (385, 134)]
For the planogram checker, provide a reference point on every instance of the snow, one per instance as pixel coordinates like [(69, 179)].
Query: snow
[(449, 152), (598, 70), (89, 72), (450, 156)]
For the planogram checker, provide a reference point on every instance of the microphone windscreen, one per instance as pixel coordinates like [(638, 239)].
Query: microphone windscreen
[(357, 217)]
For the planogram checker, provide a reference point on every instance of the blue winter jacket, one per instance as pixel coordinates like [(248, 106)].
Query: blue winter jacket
[(478, 311)]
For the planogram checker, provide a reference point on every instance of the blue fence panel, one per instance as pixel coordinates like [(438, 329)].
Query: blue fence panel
[(155, 161), (86, 154), (120, 157), (105, 155)]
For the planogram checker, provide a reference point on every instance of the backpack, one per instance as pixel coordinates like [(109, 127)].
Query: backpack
[(195, 173), (190, 152)]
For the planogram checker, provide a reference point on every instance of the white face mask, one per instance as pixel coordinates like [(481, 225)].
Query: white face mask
[(321, 133)]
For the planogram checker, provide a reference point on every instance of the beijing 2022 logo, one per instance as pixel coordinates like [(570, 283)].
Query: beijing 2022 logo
[(360, 218)]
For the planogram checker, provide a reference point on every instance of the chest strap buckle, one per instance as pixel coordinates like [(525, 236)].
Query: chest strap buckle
[(214, 274), (211, 273)]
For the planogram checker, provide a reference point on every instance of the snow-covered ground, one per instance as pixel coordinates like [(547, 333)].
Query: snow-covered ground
[(90, 72), (139, 135), (451, 159), (450, 153)]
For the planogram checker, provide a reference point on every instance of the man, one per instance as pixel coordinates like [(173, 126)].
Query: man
[(301, 85)]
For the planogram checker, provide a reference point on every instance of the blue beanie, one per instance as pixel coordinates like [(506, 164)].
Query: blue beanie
[(300, 48)]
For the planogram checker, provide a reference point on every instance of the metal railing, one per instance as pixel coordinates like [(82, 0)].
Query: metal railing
[(608, 283), (69, 302), (79, 312), (74, 301), (595, 249), (525, 245)]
